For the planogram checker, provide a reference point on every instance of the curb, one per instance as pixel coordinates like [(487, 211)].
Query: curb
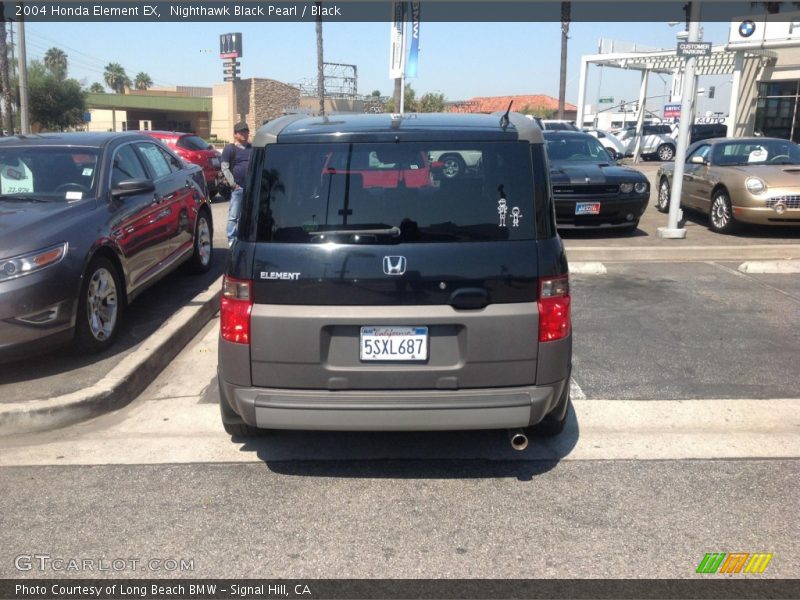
[(124, 382), (682, 253)]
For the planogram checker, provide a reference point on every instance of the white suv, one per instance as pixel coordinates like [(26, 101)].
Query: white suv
[(657, 142)]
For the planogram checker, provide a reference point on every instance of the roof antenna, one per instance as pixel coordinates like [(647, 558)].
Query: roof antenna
[(504, 120)]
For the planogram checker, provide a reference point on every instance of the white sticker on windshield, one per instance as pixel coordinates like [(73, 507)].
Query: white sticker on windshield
[(516, 215), (74, 195), (758, 155), (502, 209), (87, 172), (16, 179)]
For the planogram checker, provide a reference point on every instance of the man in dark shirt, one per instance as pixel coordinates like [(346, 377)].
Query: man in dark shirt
[(235, 158)]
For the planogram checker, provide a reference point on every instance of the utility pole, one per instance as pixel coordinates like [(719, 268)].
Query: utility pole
[(24, 119), (320, 62), (562, 84), (672, 231)]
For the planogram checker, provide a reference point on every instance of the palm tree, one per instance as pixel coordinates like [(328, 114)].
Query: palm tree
[(142, 81), (562, 84), (97, 88), (55, 59), (116, 78)]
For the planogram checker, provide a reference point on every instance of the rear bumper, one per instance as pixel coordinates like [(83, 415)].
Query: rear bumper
[(417, 410)]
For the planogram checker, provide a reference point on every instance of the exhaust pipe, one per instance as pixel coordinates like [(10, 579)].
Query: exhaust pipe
[(518, 439)]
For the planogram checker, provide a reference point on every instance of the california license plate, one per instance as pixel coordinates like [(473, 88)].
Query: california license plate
[(394, 343), (587, 208)]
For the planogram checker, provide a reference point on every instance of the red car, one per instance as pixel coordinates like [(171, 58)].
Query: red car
[(194, 149)]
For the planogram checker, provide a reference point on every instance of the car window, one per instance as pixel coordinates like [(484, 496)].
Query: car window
[(60, 172), (126, 166), (756, 153), (192, 142), (308, 189), (575, 148), (157, 159), (699, 151)]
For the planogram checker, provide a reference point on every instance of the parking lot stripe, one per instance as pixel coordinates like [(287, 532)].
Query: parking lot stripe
[(779, 267), (587, 268), (575, 391)]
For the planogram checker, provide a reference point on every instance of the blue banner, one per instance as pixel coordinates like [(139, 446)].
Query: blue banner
[(413, 53)]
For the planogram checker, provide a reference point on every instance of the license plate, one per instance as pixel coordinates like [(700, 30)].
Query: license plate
[(587, 208), (394, 343), (214, 162)]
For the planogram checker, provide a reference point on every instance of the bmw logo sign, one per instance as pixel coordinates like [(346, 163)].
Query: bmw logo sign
[(747, 28)]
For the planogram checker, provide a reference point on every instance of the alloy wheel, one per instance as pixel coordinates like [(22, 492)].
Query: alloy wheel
[(203, 241), (102, 304)]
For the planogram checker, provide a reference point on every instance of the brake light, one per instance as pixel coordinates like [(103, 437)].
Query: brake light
[(554, 301), (235, 308)]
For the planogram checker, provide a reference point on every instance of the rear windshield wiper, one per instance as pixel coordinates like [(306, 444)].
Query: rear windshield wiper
[(392, 231), (23, 198)]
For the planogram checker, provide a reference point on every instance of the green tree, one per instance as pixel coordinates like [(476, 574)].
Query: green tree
[(55, 103), (410, 103), (55, 60), (116, 78), (539, 111), (143, 81), (97, 88), (431, 102), (5, 76), (376, 93)]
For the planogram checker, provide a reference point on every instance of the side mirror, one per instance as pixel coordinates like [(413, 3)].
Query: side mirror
[(697, 160), (129, 187)]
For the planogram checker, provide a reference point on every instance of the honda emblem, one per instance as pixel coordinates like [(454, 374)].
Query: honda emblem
[(394, 265)]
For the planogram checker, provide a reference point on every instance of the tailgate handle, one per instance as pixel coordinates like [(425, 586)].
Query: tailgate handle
[(469, 298)]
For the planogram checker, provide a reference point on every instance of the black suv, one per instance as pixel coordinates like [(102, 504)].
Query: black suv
[(368, 291), (706, 131)]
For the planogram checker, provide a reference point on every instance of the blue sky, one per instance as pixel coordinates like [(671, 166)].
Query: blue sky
[(460, 60)]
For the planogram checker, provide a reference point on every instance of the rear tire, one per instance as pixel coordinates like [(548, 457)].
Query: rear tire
[(200, 262), (665, 152), (99, 307), (664, 191), (454, 166)]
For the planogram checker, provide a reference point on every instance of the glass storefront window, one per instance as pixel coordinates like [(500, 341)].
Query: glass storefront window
[(777, 110)]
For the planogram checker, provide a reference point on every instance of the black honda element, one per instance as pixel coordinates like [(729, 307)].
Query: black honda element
[(371, 288)]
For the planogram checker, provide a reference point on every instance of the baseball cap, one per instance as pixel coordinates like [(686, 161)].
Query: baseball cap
[(240, 127)]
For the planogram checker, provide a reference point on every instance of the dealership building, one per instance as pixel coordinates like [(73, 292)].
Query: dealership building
[(762, 57)]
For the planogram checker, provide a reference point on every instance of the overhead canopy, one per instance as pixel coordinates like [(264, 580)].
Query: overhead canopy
[(719, 62)]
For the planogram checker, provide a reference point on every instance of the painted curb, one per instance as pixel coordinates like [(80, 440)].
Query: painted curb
[(124, 382), (784, 267)]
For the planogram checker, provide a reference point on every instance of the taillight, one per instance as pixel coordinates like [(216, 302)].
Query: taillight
[(234, 311), (554, 300)]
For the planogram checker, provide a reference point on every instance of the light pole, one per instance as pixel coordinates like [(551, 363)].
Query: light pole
[(672, 231)]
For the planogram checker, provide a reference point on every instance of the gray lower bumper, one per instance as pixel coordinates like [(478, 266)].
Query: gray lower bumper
[(416, 410)]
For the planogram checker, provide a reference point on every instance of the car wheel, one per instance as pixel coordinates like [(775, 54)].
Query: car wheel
[(453, 166), (99, 307), (233, 424), (720, 218), (203, 245), (664, 191), (665, 152)]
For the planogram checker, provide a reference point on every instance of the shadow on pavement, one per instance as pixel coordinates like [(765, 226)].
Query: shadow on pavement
[(475, 454)]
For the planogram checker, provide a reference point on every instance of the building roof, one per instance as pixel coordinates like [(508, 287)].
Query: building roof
[(129, 101), (489, 104)]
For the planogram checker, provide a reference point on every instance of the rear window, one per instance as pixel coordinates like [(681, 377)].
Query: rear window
[(192, 142), (391, 193)]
